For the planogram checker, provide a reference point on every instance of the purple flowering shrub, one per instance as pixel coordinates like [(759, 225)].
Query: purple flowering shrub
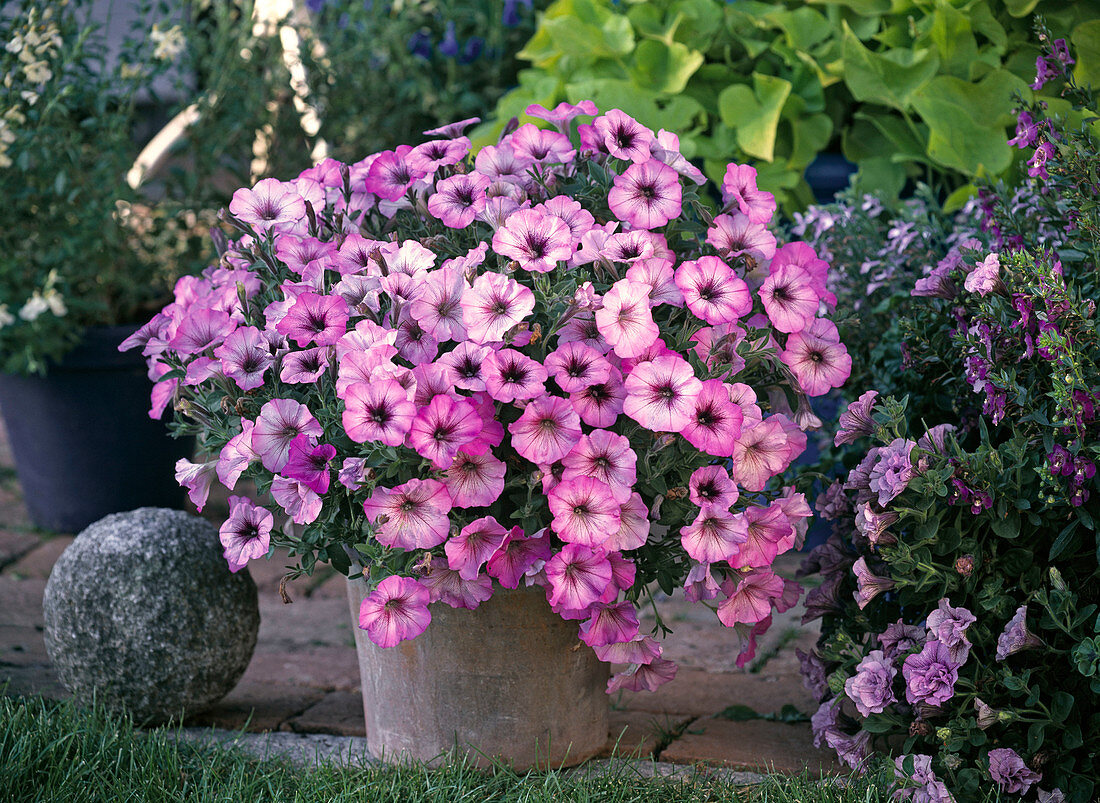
[(541, 365), (960, 586)]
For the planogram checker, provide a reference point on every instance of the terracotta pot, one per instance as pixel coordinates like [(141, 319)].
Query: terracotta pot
[(508, 680)]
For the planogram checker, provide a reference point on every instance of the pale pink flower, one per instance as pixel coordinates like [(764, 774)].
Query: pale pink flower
[(410, 516), (605, 456), (600, 405), (510, 376), (458, 199), (541, 146), (660, 394), (633, 525), (280, 422), (624, 137), (712, 536), (493, 305), (463, 364), (438, 308), (712, 291), (658, 275), (714, 421), (237, 455), (626, 320), (475, 543), (413, 342), (271, 205), (578, 576), (639, 650), (390, 175), (610, 624), (518, 555), (789, 298), (562, 114), (377, 411), (739, 189), (314, 318), (762, 530), (245, 357), (246, 534), (306, 256), (536, 240), (439, 430), (985, 277), (585, 511), (646, 677), (196, 478), (199, 330), (474, 480), (300, 502), (502, 162), (759, 453), (451, 588), (305, 367), (576, 217), (735, 235), (751, 600), (711, 486), (575, 366), (647, 195), (816, 363), (396, 610), (667, 150), (427, 157), (546, 432)]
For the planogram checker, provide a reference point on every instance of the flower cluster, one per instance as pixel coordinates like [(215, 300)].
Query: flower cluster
[(547, 373), (959, 591)]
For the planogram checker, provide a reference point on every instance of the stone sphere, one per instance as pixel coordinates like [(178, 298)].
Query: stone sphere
[(142, 611)]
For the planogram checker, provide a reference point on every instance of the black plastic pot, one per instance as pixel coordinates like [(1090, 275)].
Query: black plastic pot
[(83, 441)]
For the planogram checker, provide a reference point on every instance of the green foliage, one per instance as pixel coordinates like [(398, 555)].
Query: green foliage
[(910, 90)]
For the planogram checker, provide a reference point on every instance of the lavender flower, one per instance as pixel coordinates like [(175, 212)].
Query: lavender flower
[(899, 638), (1053, 796), (930, 675), (928, 788), (987, 715), (934, 439), (1010, 772), (856, 421), (871, 688), (949, 625), (868, 585), (852, 750), (812, 668), (872, 525), (1016, 636), (937, 284), (832, 503), (890, 475), (824, 720)]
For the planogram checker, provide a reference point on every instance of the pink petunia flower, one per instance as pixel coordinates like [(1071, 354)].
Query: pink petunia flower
[(789, 298), (511, 376), (751, 600), (585, 511), (647, 195), (711, 486), (493, 305), (624, 137), (377, 411), (306, 256), (427, 157), (712, 536), (237, 455), (458, 200), (712, 291), (475, 543), (736, 235), (610, 624), (390, 175), (309, 464), (439, 430), (646, 677), (301, 503), (410, 516), (546, 432), (246, 534), (280, 422), (562, 114), (396, 610), (245, 357), (762, 530), (196, 478), (816, 363), (575, 366), (271, 205), (607, 457), (626, 320), (714, 421), (599, 405), (633, 526), (759, 453), (200, 329), (660, 394), (501, 162), (305, 367), (739, 189), (449, 587), (541, 146), (474, 480), (578, 576), (315, 319), (438, 309), (536, 240)]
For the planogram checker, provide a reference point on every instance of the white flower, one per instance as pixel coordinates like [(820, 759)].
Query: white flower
[(169, 44), (55, 302), (34, 307), (38, 72), (6, 318)]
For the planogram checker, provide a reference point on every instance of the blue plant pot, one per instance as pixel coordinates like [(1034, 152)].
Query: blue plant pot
[(83, 442)]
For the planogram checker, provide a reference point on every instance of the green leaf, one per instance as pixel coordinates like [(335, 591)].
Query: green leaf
[(1020, 8), (878, 724), (1009, 526), (1086, 46), (953, 37), (754, 113), (890, 79), (809, 136), (953, 203), (967, 121), (804, 27), (664, 68), (574, 38)]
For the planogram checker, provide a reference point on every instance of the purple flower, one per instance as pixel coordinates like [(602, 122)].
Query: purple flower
[(1027, 131), (949, 626), (1016, 636), (930, 675), (937, 284), (825, 720), (986, 276), (813, 672), (856, 421), (1044, 71), (890, 475), (852, 750), (832, 504), (934, 439), (872, 524), (868, 585), (1009, 771), (1037, 164), (871, 688), (899, 638), (928, 788)]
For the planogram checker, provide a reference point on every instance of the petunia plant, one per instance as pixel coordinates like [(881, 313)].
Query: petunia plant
[(547, 364)]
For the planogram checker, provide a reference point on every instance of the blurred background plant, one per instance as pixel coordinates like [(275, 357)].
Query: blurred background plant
[(88, 239), (906, 89)]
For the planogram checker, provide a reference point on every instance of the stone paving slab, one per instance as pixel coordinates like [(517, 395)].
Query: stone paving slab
[(13, 543), (754, 745), (258, 706), (324, 668), (694, 692), (338, 712), (38, 563), (641, 734)]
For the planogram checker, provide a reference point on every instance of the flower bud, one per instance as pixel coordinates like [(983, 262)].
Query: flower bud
[(918, 727), (952, 761), (836, 682), (965, 565), (943, 734)]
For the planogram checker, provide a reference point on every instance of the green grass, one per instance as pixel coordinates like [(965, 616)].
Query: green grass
[(59, 752)]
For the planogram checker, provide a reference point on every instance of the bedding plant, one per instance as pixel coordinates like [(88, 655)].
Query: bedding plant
[(550, 364), (961, 585)]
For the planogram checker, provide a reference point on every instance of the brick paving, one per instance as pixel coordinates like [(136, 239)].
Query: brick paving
[(304, 678)]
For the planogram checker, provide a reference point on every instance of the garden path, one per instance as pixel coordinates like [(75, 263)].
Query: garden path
[(304, 676)]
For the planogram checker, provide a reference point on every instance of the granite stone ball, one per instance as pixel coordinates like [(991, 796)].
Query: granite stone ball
[(143, 613)]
